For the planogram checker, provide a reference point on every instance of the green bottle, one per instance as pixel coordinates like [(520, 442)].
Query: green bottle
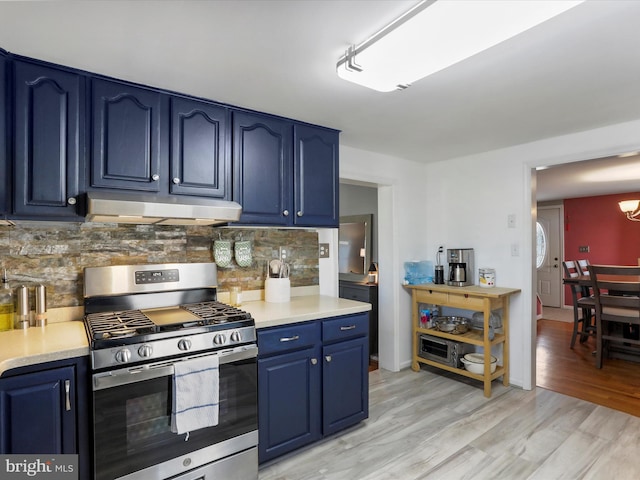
[(7, 308)]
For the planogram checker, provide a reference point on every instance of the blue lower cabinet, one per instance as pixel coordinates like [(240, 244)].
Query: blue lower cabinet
[(45, 412), (288, 402), (313, 381), (345, 381)]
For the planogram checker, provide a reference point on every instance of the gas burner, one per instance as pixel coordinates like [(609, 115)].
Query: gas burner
[(118, 324), (215, 312)]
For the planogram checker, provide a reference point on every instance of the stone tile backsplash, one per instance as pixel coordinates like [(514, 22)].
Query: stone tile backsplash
[(55, 254)]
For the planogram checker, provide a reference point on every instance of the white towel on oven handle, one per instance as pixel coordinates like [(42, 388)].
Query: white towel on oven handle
[(196, 392)]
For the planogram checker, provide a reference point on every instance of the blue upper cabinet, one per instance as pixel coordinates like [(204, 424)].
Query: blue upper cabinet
[(126, 129), (316, 176), (262, 168), (49, 141), (199, 161), (285, 173), (4, 154)]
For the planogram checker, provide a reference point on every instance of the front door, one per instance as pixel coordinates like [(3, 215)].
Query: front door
[(548, 256)]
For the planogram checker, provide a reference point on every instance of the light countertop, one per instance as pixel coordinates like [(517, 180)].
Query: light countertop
[(301, 309), (56, 341), (68, 339)]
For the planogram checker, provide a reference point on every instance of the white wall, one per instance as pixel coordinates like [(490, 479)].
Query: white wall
[(402, 228), (465, 202), (469, 201)]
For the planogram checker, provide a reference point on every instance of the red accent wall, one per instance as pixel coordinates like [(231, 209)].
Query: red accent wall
[(598, 223)]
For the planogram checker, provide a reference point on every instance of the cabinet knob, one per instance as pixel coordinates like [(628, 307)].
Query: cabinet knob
[(299, 213), (328, 358), (71, 200), (285, 213), (314, 361), (155, 177), (176, 181)]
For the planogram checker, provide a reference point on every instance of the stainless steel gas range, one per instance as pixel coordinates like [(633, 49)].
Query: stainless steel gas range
[(145, 323)]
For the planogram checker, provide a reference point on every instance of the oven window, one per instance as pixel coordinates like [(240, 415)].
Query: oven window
[(147, 421), (132, 422)]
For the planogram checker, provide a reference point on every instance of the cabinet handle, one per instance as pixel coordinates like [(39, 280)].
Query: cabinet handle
[(290, 339), (314, 361), (71, 200), (285, 213), (350, 327), (299, 213), (155, 177), (67, 388), (176, 181), (328, 358)]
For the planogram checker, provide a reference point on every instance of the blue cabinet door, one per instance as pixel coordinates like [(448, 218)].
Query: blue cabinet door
[(126, 132), (262, 165), (38, 414), (316, 176), (4, 135), (289, 399), (199, 161), (345, 383), (49, 140)]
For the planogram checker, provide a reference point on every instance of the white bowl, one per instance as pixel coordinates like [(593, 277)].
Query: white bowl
[(474, 362)]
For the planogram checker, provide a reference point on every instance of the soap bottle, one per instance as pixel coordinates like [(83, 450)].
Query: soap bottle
[(7, 307)]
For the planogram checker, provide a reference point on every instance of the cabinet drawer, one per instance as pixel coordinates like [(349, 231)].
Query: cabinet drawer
[(288, 338), (354, 293), (460, 300), (342, 328), (429, 296)]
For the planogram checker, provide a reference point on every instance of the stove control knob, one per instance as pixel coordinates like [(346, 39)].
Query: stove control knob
[(145, 351), (235, 337), (219, 339), (184, 344), (123, 356)]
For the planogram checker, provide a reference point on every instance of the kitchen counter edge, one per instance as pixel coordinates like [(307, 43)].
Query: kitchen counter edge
[(31, 346), (63, 340), (302, 309)]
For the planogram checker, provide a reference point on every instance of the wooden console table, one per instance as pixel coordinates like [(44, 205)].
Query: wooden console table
[(469, 298)]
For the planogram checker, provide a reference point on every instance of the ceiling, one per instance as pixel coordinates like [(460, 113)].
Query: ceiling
[(576, 72)]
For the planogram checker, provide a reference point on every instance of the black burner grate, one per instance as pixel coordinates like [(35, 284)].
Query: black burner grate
[(118, 324), (216, 312)]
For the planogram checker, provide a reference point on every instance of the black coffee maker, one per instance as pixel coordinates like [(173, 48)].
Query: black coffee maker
[(460, 267)]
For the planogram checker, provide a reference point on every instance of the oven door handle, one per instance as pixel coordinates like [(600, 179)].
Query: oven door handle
[(150, 371)]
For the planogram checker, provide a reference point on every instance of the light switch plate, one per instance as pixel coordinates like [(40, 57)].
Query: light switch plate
[(324, 250)]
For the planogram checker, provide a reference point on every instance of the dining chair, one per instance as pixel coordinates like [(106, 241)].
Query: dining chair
[(583, 268), (583, 305), (617, 315)]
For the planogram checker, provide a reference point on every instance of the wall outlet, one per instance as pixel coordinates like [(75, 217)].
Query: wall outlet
[(324, 250), (284, 254), (583, 249), (515, 250)]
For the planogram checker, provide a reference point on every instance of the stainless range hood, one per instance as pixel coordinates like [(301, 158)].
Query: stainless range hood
[(110, 207)]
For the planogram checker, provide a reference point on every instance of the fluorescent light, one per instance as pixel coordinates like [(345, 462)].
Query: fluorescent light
[(434, 35)]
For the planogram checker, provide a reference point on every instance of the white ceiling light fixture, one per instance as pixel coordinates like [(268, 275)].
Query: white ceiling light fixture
[(630, 209), (436, 34)]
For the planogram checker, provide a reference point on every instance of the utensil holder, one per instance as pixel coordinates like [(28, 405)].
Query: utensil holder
[(277, 290)]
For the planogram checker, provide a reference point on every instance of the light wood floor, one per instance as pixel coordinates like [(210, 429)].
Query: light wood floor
[(425, 425), (430, 425)]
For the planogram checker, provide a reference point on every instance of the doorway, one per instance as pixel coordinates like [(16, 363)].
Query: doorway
[(548, 256)]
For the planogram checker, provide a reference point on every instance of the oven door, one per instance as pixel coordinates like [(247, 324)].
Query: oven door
[(132, 419)]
